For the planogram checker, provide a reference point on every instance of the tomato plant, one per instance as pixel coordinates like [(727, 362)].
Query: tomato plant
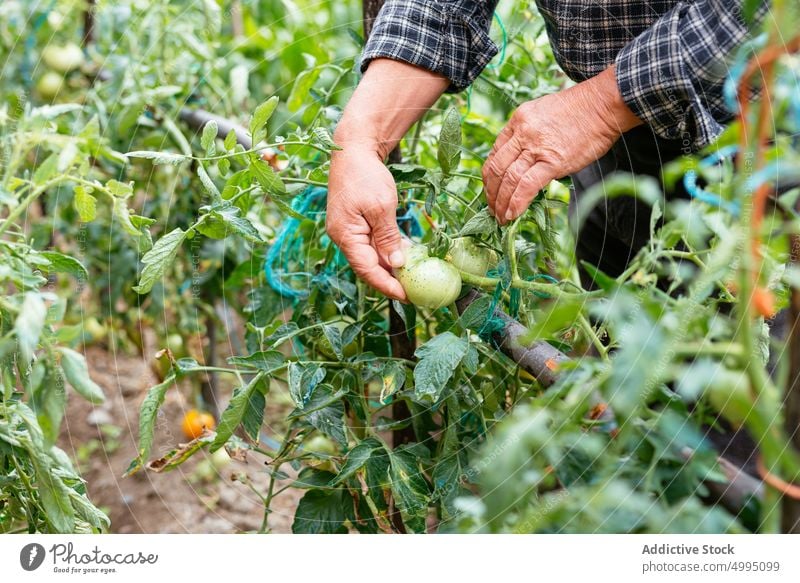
[(507, 397)]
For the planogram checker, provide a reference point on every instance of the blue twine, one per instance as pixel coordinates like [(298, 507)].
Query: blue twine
[(287, 244), (730, 90), (491, 66), (503, 44), (275, 276), (411, 216), (710, 198)]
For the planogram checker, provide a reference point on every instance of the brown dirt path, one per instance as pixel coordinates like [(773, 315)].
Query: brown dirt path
[(194, 498)]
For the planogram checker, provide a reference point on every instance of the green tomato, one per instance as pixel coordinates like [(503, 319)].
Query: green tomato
[(94, 328), (49, 85), (220, 459), (327, 308), (730, 395), (470, 257), (326, 348), (176, 345), (320, 448), (63, 59), (429, 282)]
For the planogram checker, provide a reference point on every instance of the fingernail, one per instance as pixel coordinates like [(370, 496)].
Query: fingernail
[(509, 215), (397, 259)]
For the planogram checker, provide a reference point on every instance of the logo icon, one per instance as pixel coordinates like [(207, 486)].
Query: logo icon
[(31, 556)]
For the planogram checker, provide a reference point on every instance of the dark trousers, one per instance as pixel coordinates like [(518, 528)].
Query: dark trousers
[(617, 228)]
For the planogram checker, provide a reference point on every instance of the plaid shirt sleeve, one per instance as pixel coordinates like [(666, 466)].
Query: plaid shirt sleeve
[(449, 37), (672, 75)]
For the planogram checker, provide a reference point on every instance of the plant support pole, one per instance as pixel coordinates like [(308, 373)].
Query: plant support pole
[(790, 517)]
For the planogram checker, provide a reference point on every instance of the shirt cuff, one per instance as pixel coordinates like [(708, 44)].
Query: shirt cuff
[(654, 81), (449, 38)]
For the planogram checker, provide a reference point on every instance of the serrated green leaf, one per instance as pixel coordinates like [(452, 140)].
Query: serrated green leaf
[(85, 204), (259, 120), (323, 137), (268, 361), (411, 492), (207, 183), (439, 358), (323, 512), (29, 324), (158, 259), (208, 139), (480, 223), (60, 263), (54, 495), (302, 85), (357, 459), (449, 152), (269, 181), (147, 419), (230, 140), (159, 157), (253, 416), (77, 373), (46, 170), (303, 378), (120, 189), (123, 214), (286, 209), (237, 407)]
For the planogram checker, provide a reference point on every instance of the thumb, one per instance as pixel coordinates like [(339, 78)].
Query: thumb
[(386, 238)]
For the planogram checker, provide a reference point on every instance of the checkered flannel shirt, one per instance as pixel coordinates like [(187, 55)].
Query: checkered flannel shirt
[(671, 56)]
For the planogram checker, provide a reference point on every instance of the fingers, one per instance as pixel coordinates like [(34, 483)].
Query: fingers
[(366, 264), (535, 178), (511, 179), (385, 236), (496, 165)]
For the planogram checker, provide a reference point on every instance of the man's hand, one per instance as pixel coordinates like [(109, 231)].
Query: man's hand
[(551, 137), (362, 196), (362, 203)]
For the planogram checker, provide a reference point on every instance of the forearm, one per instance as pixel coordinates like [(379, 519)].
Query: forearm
[(390, 98)]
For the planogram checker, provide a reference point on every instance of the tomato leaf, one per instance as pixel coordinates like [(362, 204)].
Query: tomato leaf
[(303, 378), (267, 178), (159, 157), (60, 263), (357, 459), (158, 259), (268, 361), (323, 512), (85, 204), (29, 324), (449, 153), (259, 120), (207, 140), (237, 408), (439, 358), (147, 419), (74, 366), (302, 85), (410, 490)]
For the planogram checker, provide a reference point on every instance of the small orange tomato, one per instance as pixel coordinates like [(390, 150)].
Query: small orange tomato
[(764, 302), (194, 422)]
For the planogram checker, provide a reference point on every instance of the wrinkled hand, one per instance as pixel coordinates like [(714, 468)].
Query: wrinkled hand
[(552, 137), (361, 218)]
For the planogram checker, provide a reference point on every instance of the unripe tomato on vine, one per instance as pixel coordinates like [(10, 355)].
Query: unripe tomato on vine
[(429, 282)]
